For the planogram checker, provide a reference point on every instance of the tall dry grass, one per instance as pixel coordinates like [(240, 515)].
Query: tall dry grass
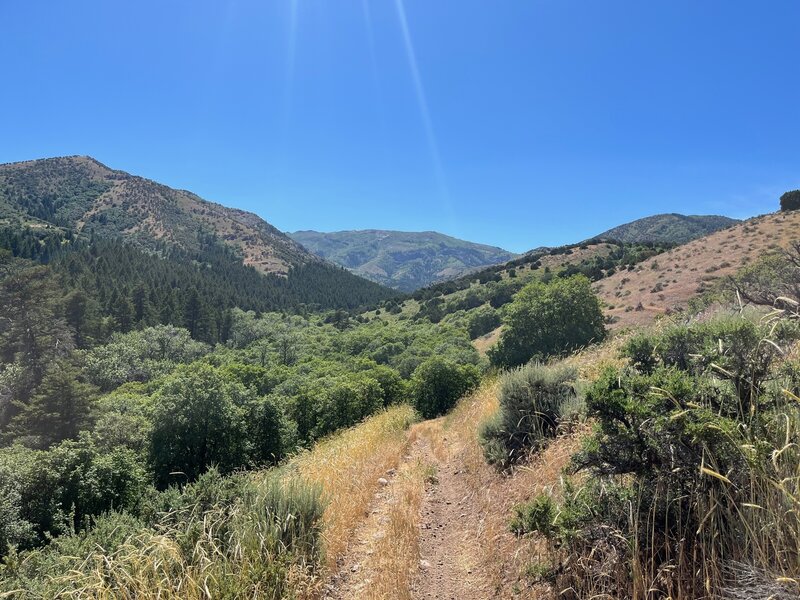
[(394, 556), (264, 545), (268, 539), (347, 467)]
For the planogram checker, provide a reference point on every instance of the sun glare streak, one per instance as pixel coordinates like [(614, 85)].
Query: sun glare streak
[(433, 146), (291, 52)]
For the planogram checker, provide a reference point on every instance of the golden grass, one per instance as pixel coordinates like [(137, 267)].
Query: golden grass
[(395, 555), (347, 467)]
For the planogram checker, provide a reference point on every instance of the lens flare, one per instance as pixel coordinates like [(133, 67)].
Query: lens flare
[(422, 101)]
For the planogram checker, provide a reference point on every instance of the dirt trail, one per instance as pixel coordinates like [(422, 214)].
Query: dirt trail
[(438, 528), (450, 561), (446, 564)]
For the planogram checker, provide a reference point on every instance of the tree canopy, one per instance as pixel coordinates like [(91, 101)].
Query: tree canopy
[(547, 319)]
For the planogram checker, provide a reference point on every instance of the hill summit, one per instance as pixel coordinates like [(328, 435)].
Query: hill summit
[(81, 194), (671, 228)]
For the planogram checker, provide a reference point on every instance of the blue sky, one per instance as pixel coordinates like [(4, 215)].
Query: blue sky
[(516, 123)]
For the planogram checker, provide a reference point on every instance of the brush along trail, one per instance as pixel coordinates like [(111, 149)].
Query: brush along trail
[(437, 527)]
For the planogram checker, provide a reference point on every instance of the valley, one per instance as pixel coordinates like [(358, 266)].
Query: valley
[(196, 401)]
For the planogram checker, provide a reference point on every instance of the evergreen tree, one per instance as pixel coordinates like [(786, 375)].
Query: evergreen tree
[(59, 410)]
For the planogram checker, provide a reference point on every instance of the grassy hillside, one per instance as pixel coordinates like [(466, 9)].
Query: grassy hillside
[(667, 229), (636, 282), (403, 260), (667, 282)]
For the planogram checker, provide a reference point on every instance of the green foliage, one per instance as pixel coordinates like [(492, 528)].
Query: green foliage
[(667, 229), (532, 399), (57, 490), (198, 420), (247, 537), (549, 319), (141, 355), (60, 409), (691, 434), (438, 384), (345, 401), (483, 321), (790, 200), (537, 515)]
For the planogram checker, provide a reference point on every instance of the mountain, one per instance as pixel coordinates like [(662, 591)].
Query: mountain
[(82, 194), (403, 260), (670, 228), (127, 238)]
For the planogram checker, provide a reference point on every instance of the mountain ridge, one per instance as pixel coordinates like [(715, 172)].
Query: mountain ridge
[(404, 260), (81, 193), (670, 228)]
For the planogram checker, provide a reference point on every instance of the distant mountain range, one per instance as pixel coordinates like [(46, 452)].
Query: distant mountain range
[(402, 260), (670, 228)]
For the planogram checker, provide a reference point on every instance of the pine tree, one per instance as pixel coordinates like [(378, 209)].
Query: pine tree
[(60, 408)]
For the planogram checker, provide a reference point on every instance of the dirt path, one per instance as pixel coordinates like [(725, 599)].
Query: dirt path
[(445, 561), (450, 565), (438, 527)]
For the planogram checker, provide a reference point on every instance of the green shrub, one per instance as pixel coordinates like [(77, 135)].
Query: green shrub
[(198, 420), (482, 321), (537, 515), (532, 399), (790, 200), (438, 384), (549, 320)]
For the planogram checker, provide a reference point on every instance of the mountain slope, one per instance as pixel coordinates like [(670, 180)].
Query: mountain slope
[(668, 281), (670, 228), (402, 260), (83, 195), (127, 241)]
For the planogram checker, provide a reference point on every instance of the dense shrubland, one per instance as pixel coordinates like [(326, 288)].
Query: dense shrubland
[(688, 486)]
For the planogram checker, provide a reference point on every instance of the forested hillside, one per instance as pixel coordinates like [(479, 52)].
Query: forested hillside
[(667, 229), (81, 195), (402, 260)]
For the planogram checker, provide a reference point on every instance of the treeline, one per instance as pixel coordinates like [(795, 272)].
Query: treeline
[(621, 256), (118, 286)]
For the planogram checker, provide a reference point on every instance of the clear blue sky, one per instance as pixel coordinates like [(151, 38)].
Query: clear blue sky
[(512, 122)]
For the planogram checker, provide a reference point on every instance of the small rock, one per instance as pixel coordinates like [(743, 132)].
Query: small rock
[(424, 565), (383, 481), (355, 568)]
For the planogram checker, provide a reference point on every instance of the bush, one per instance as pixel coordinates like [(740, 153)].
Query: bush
[(549, 320), (60, 490), (699, 435), (437, 385), (790, 200), (531, 403), (482, 321)]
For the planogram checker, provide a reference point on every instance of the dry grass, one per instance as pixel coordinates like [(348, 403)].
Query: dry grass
[(235, 551), (669, 280), (395, 553), (347, 467), (502, 557)]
